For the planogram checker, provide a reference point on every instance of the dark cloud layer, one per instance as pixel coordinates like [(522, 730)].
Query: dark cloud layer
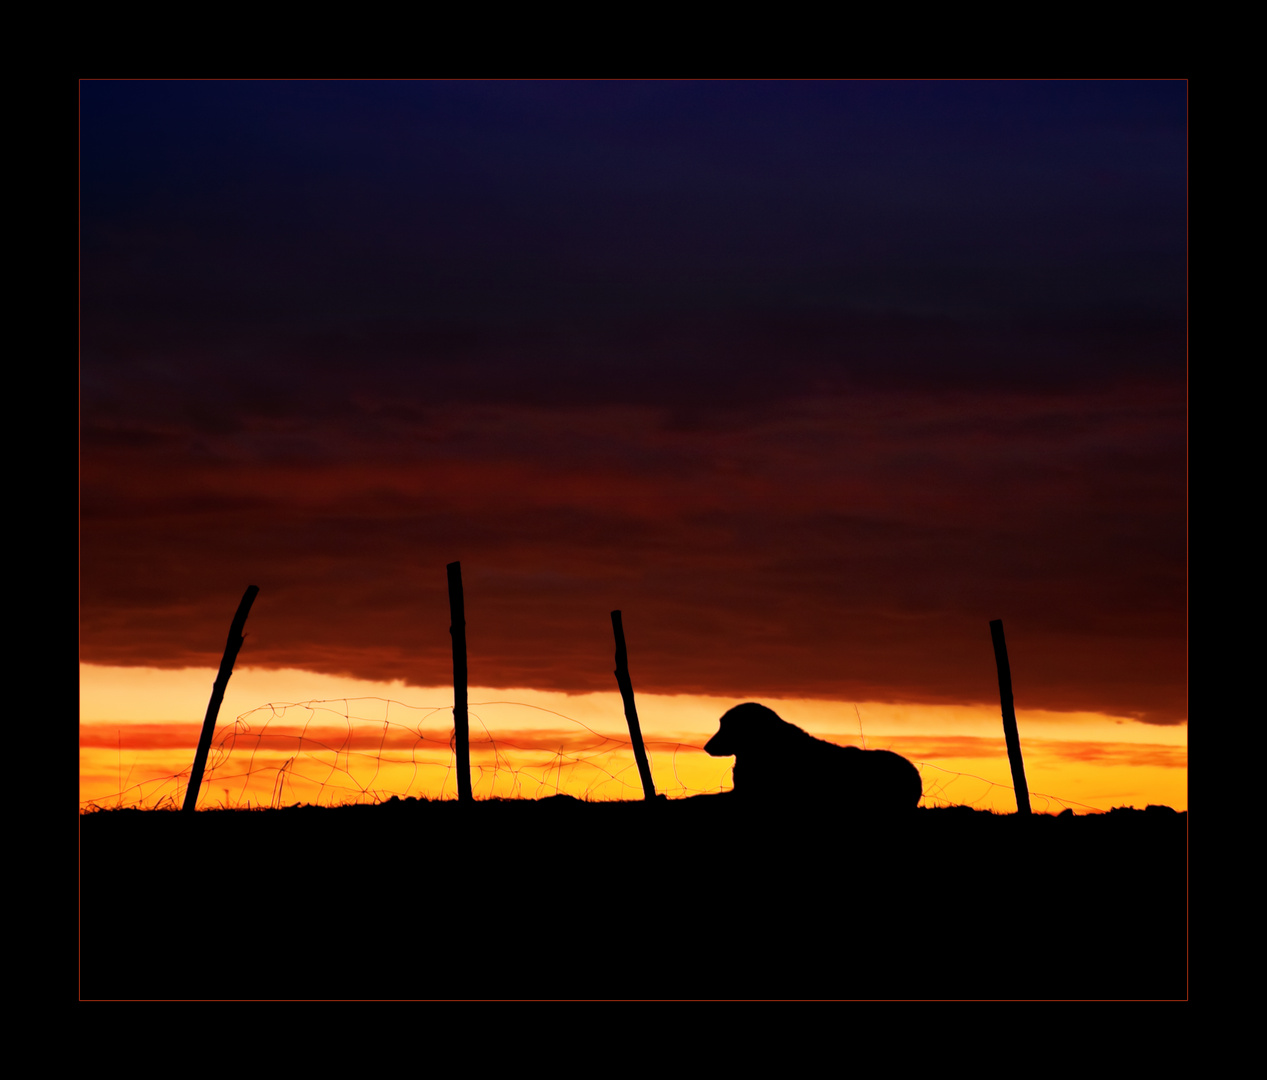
[(811, 380)]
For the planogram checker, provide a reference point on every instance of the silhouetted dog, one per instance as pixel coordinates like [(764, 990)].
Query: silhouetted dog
[(778, 762)]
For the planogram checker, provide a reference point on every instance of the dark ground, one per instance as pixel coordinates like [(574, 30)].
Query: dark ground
[(700, 898)]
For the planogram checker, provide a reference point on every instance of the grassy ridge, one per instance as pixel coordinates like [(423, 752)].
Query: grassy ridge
[(698, 898)]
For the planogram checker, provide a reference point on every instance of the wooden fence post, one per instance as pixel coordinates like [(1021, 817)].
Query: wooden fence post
[(631, 712), (217, 696), (1009, 719), (461, 724)]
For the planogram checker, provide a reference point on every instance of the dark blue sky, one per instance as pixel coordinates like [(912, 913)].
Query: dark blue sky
[(319, 208), (335, 278)]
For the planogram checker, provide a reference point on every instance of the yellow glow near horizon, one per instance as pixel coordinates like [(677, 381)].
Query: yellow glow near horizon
[(1085, 759)]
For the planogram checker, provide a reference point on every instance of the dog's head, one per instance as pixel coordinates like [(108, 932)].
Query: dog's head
[(743, 726)]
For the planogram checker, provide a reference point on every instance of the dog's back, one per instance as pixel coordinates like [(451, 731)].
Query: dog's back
[(779, 762)]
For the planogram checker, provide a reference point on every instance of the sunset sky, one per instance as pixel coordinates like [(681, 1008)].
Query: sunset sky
[(811, 380)]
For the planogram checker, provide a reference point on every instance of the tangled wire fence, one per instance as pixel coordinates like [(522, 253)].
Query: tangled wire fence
[(367, 750)]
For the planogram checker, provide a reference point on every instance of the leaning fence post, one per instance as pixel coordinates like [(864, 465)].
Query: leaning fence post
[(631, 712), (1009, 718), (217, 696), (461, 725)]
